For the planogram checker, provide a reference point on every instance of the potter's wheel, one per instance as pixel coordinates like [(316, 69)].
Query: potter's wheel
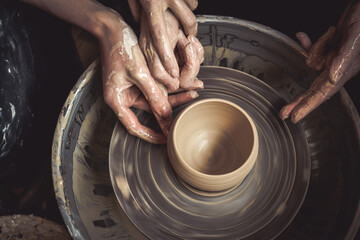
[(331, 209), (161, 207)]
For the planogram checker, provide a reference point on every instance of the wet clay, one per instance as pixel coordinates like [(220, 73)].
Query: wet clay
[(274, 198), (213, 144), (161, 206)]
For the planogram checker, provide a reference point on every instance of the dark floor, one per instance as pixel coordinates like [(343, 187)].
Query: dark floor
[(27, 186)]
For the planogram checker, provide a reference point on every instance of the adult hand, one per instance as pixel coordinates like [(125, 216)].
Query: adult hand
[(155, 12), (188, 51), (337, 55), (128, 82), (126, 78)]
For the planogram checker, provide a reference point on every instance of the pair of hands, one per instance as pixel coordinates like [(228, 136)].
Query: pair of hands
[(337, 55), (141, 73)]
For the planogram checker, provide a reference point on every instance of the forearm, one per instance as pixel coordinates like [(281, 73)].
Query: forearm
[(90, 15)]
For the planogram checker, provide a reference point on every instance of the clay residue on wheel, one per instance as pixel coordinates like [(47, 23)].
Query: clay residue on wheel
[(271, 74), (57, 145), (92, 188)]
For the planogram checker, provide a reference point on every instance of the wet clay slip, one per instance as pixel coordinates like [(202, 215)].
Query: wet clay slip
[(213, 144)]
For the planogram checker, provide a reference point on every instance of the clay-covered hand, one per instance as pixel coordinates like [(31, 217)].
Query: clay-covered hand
[(337, 55), (188, 51), (155, 11), (127, 83), (127, 80)]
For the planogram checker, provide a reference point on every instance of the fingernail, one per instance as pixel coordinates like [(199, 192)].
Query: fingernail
[(336, 77), (201, 83), (166, 112), (174, 85), (282, 114), (174, 73), (283, 117), (193, 94), (191, 38), (295, 120)]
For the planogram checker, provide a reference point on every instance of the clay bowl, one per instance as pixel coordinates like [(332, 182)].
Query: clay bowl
[(213, 145)]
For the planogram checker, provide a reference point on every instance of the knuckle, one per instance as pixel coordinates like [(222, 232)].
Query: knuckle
[(108, 98), (336, 77), (194, 4), (159, 75), (185, 83), (140, 74), (201, 51), (191, 22), (132, 130)]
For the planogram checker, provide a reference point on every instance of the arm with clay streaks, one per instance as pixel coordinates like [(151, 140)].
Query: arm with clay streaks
[(127, 80)]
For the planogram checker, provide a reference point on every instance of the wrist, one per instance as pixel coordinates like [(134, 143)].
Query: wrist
[(106, 24)]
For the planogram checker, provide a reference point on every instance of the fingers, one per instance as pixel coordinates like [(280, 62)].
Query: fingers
[(191, 67), (120, 99), (155, 15), (135, 9), (287, 109), (198, 48), (155, 65), (153, 93), (323, 87), (159, 73), (172, 27), (185, 15), (138, 73), (320, 91), (318, 51), (164, 122), (182, 98), (134, 127), (174, 100), (157, 100), (192, 4), (337, 52), (304, 40), (118, 102)]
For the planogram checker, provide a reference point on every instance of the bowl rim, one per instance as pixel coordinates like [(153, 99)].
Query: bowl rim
[(249, 162)]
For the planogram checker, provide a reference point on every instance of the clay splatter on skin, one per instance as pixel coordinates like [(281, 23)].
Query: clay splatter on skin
[(125, 46), (130, 40)]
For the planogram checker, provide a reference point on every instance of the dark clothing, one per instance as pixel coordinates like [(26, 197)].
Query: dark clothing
[(38, 68), (17, 79)]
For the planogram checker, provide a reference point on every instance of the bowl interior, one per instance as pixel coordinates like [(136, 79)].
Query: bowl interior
[(213, 136)]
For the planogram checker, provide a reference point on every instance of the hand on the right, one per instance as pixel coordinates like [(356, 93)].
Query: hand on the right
[(337, 55)]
